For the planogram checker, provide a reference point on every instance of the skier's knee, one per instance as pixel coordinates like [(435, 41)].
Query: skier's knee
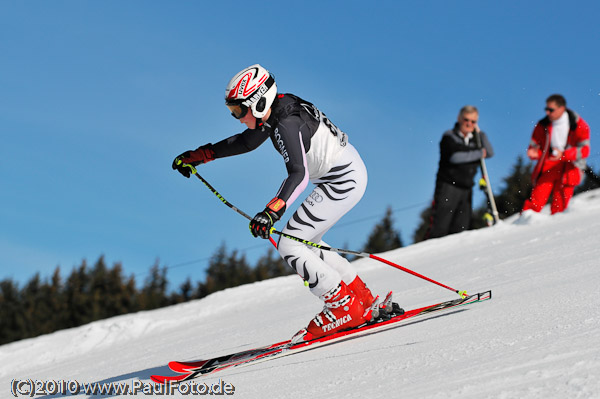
[(287, 247)]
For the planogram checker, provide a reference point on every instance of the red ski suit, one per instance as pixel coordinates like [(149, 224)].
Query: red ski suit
[(558, 177)]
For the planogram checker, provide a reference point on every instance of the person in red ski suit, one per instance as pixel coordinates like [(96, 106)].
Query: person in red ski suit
[(560, 143)]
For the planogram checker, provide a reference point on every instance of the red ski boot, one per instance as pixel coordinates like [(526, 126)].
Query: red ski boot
[(342, 310), (362, 292)]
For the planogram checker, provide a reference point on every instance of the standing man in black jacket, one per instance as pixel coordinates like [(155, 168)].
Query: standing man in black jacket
[(459, 160)]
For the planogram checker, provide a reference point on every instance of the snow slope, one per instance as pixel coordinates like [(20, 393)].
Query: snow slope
[(537, 338)]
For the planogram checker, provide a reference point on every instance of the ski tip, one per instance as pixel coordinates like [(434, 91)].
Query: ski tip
[(163, 379), (184, 367), (158, 379), (463, 294)]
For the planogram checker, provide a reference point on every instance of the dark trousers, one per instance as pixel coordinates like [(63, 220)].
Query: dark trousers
[(451, 210)]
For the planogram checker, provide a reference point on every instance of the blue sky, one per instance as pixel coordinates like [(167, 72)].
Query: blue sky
[(97, 97)]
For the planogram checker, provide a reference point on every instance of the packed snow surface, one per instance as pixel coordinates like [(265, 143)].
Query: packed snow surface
[(539, 336)]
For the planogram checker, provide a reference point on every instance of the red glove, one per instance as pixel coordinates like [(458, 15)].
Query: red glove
[(200, 155)]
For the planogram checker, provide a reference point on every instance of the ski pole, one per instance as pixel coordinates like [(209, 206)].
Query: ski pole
[(488, 185), (490, 194), (462, 294)]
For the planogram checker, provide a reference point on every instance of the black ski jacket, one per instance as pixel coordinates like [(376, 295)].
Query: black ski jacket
[(459, 161)]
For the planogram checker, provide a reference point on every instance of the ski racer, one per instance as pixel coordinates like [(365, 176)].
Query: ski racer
[(313, 150)]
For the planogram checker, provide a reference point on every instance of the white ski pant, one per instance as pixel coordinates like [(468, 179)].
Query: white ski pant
[(334, 195)]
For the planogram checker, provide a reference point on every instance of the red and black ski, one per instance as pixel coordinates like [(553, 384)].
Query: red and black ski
[(195, 369)]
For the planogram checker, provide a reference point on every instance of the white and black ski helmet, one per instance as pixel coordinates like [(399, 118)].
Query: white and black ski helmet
[(253, 88)]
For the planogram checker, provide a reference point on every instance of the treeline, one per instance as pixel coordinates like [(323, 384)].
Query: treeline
[(96, 292)]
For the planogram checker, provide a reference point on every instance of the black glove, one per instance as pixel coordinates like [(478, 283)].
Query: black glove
[(263, 222), (202, 154)]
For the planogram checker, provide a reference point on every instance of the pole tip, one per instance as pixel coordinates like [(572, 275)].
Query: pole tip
[(463, 294)]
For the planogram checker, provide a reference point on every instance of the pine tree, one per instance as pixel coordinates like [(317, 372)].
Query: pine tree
[(119, 291), (154, 292), (239, 270), (185, 293), (421, 230), (77, 297), (590, 181), (53, 294), (517, 189), (35, 309), (225, 271), (216, 274), (271, 265), (383, 237), (99, 289), (12, 322)]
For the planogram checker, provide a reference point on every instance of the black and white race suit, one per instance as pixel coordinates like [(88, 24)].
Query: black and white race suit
[(313, 149)]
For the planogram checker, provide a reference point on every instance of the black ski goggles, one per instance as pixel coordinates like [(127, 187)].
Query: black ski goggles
[(238, 111)]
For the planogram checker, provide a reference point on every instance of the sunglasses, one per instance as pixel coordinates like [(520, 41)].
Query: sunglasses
[(548, 109), (238, 111), (469, 120)]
